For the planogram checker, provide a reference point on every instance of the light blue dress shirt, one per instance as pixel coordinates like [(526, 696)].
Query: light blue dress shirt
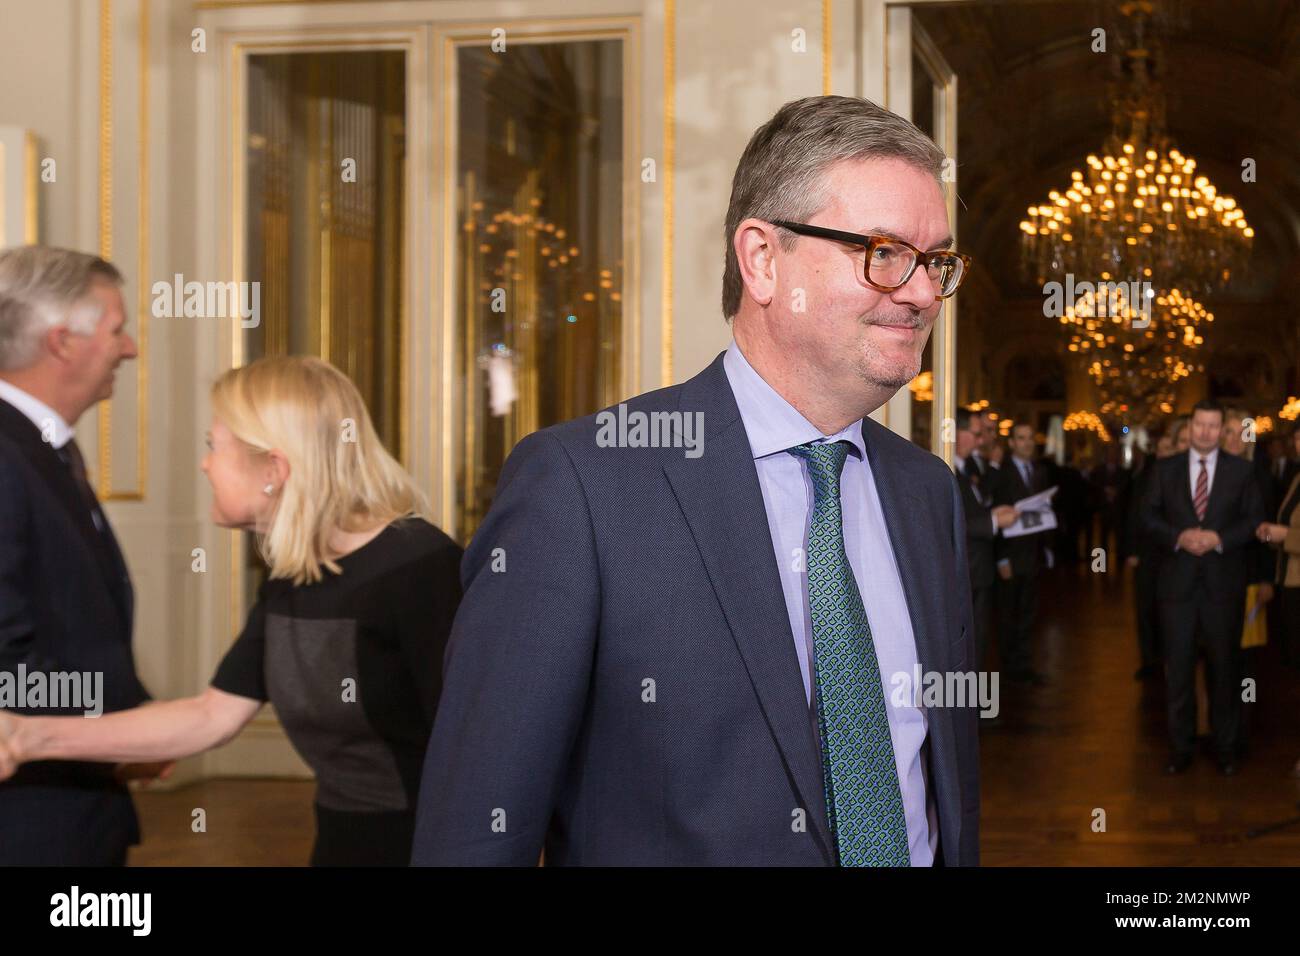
[(774, 425)]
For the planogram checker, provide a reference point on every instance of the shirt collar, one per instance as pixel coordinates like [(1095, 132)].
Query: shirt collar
[(38, 413), (1211, 458), (772, 424)]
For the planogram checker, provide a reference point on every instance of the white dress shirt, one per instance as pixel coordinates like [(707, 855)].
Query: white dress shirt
[(773, 426), (51, 424), (1193, 472)]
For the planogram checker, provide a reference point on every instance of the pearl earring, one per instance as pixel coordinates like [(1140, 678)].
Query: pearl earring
[(269, 490)]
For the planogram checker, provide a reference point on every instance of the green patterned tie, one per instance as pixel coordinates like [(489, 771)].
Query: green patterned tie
[(863, 801)]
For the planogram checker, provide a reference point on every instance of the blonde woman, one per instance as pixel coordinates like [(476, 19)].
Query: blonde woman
[(347, 635)]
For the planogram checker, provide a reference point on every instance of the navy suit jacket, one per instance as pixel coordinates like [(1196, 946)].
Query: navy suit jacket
[(1025, 552), (621, 684), (66, 604), (981, 538)]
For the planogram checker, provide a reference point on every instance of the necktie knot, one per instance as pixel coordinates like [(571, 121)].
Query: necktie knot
[(825, 462), (71, 456)]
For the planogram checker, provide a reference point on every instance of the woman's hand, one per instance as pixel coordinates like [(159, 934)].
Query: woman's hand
[(1271, 533)]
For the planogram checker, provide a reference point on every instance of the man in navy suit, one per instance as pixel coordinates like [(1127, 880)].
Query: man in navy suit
[(66, 602), (984, 522), (692, 623), (1201, 510), (1020, 559)]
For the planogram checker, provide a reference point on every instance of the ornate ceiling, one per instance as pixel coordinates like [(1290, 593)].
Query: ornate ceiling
[(1034, 100)]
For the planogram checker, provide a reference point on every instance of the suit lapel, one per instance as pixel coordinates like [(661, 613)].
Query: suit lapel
[(913, 538), (1185, 482), (722, 501), (55, 476), (1222, 473)]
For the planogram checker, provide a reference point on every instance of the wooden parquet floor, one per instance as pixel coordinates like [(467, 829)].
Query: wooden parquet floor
[(1091, 740)]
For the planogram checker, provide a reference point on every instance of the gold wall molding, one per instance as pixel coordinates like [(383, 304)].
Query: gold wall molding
[(31, 200), (874, 83), (28, 166), (670, 147), (104, 456), (826, 47)]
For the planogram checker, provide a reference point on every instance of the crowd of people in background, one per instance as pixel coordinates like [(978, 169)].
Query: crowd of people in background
[(1204, 517)]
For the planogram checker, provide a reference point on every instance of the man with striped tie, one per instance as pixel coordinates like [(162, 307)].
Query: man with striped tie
[(1202, 508)]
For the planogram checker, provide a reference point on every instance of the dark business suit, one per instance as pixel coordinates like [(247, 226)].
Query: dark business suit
[(1262, 561), (626, 690), (1137, 542), (1110, 486), (66, 604), (1202, 599), (980, 536), (1017, 598)]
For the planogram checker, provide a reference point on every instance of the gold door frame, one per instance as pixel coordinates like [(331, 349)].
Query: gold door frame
[(878, 29), (447, 41), (241, 44), (105, 145)]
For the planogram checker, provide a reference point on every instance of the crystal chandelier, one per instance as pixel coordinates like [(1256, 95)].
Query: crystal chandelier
[(922, 387), (1136, 353), (1139, 209), (1086, 421)]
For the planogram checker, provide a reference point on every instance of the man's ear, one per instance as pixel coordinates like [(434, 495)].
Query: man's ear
[(755, 245), (58, 342)]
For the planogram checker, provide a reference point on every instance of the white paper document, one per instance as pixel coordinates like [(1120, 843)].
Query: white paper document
[(1036, 515)]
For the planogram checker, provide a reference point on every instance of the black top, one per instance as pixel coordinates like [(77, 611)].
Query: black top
[(353, 667)]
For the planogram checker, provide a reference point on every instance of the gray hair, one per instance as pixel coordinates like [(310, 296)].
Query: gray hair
[(780, 174), (42, 287)]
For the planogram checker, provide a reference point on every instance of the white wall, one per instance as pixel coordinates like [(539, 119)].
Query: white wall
[(736, 67)]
